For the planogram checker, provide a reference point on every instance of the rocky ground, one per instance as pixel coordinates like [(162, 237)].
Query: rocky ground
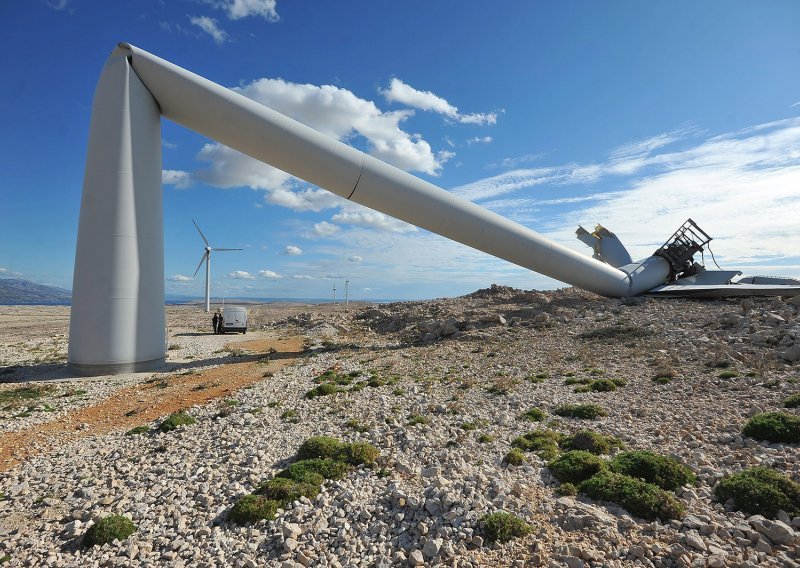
[(453, 378)]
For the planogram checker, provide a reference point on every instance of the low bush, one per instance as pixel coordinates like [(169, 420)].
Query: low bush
[(485, 438), (107, 529), (586, 411), (728, 374), (774, 427), (534, 414), (591, 441), (414, 419), (515, 456), (664, 375), (503, 527), (320, 447), (181, 418), (602, 385), (543, 443), (286, 490), (324, 389), (359, 453), (792, 401), (638, 497), (138, 430), (575, 466), (760, 491), (653, 468), (567, 489), (253, 508), (327, 468)]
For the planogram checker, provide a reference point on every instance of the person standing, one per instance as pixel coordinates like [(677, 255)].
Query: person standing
[(221, 320), (214, 322)]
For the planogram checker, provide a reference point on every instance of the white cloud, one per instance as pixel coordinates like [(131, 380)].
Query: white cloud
[(480, 140), (180, 278), (355, 258), (740, 187), (292, 250), (403, 93), (178, 178), (361, 216), (241, 275), (3, 270), (302, 277), (333, 111), (325, 229), (269, 274), (209, 25), (237, 9), (795, 104), (58, 4)]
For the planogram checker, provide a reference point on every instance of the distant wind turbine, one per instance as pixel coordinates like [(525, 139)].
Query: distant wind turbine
[(207, 259)]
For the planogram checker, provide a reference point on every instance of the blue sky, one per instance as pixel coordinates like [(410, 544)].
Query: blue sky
[(632, 114)]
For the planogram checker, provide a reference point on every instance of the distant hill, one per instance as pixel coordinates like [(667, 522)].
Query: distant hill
[(15, 291)]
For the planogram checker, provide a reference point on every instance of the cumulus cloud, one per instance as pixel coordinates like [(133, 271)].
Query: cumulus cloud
[(180, 278), (237, 9), (355, 258), (325, 229), (741, 187), (480, 140), (209, 26), (241, 275), (403, 93), (269, 274), (292, 250), (178, 178), (359, 216), (302, 277)]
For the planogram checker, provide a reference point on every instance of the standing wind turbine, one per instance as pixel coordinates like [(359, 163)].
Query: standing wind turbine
[(207, 258)]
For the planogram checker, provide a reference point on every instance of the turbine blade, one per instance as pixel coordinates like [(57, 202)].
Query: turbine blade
[(205, 240), (202, 258), (226, 249)]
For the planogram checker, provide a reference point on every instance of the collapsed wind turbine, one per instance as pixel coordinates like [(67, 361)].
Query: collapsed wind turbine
[(207, 259), (117, 317)]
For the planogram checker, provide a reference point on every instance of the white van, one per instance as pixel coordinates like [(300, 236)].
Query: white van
[(234, 318)]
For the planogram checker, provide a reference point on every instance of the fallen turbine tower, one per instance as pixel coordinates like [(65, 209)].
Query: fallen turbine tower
[(117, 318)]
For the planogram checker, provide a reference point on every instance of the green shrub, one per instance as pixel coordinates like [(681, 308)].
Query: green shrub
[(414, 419), (181, 418), (587, 411), (514, 457), (792, 401), (469, 426), (535, 414), (307, 470), (504, 526), (285, 490), (664, 375), (253, 508), (567, 489), (728, 374), (760, 491), (107, 529), (603, 385), (320, 447), (485, 438), (542, 442), (638, 497), (575, 466), (138, 430), (591, 441), (359, 453), (576, 381), (290, 416), (324, 389), (659, 470), (774, 427)]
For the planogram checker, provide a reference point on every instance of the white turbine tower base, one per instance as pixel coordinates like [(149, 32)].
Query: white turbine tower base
[(117, 316), (207, 258)]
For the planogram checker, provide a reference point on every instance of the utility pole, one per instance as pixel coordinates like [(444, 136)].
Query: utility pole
[(334, 293), (346, 294)]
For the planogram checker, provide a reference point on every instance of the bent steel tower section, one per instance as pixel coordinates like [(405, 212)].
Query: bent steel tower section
[(117, 321)]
